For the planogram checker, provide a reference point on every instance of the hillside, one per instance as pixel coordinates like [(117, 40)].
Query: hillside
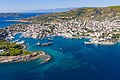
[(51, 10), (100, 13)]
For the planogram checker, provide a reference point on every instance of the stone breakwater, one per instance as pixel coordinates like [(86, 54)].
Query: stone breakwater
[(21, 58)]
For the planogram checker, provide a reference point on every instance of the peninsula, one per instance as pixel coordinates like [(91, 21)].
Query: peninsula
[(12, 52)]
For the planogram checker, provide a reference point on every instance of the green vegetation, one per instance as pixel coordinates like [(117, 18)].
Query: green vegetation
[(96, 13), (12, 49), (114, 6), (116, 36)]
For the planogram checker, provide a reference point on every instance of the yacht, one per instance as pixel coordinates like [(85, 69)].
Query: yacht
[(46, 44)]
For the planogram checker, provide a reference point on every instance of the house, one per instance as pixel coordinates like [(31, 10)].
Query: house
[(1, 51)]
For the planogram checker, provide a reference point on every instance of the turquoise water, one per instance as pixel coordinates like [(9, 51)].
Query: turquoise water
[(71, 60)]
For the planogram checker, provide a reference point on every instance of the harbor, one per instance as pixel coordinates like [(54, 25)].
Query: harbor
[(73, 44), (68, 54)]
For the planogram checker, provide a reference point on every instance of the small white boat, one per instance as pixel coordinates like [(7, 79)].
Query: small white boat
[(11, 37), (16, 40), (50, 39), (38, 44), (22, 42)]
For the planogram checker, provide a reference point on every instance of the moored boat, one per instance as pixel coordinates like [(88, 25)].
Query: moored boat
[(50, 39), (46, 44), (38, 44)]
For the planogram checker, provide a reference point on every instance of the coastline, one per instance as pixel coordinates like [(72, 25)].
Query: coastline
[(22, 58), (80, 37), (101, 43), (21, 20), (91, 42)]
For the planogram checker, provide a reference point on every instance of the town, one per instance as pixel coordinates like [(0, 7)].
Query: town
[(105, 32), (102, 28)]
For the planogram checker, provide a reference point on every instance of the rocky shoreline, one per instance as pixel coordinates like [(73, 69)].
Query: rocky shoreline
[(22, 58)]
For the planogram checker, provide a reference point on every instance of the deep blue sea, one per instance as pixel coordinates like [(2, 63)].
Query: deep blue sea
[(71, 60), (3, 23)]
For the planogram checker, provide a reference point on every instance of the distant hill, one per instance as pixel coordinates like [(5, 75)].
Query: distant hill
[(114, 6), (5, 15), (51, 10), (95, 13)]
